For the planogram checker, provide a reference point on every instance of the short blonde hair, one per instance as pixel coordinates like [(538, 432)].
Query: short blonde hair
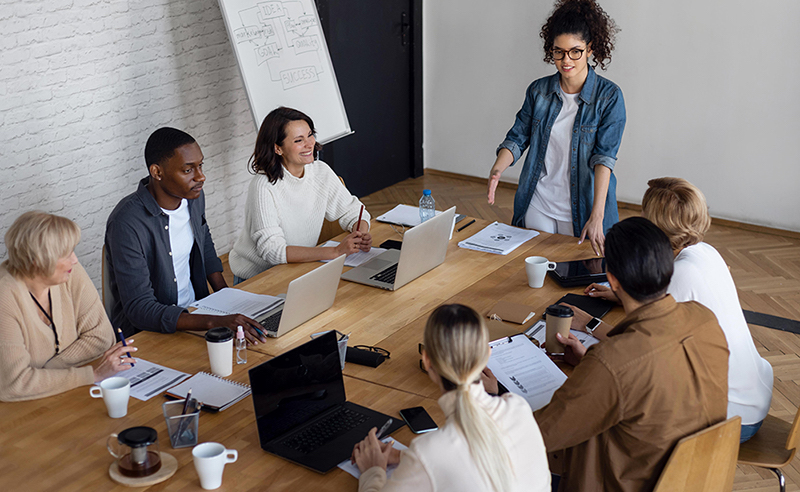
[(679, 209), (36, 241)]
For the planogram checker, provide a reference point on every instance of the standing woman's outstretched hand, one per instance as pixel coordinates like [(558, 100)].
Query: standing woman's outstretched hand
[(494, 179), (593, 231), (504, 159)]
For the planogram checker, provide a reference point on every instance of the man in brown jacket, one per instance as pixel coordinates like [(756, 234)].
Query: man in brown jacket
[(661, 375)]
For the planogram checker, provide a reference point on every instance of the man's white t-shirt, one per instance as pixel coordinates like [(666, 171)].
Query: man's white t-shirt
[(552, 194), (181, 240), (701, 275)]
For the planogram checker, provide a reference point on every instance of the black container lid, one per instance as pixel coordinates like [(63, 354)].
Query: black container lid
[(221, 334), (137, 437), (559, 311)]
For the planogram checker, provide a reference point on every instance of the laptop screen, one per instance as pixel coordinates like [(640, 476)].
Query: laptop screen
[(296, 386)]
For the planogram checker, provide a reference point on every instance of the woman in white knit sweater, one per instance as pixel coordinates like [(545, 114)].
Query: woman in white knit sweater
[(487, 443), (288, 198), (54, 332)]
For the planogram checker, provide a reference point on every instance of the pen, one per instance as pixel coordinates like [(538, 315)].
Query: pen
[(466, 225), (385, 427), (360, 214), (181, 425), (122, 339)]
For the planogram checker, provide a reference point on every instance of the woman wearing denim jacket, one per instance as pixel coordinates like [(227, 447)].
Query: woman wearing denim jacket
[(573, 122)]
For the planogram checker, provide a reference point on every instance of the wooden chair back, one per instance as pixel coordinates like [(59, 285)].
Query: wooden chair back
[(794, 434), (106, 282), (704, 461)]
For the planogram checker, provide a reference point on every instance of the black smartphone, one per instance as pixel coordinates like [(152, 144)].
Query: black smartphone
[(418, 420), (391, 244)]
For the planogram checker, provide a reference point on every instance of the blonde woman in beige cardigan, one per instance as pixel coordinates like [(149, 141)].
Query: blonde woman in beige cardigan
[(54, 332), (487, 444)]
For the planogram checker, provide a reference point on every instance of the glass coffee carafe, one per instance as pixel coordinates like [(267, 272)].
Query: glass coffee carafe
[(136, 450)]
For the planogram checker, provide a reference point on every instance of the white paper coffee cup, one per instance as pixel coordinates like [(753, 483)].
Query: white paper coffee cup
[(220, 350)]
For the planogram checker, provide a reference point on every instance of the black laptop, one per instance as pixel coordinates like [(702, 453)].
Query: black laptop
[(301, 409)]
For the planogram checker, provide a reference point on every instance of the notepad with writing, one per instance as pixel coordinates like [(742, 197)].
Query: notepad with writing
[(215, 393)]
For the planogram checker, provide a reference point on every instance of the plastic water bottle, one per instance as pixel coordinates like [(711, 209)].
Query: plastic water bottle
[(427, 206), (241, 347)]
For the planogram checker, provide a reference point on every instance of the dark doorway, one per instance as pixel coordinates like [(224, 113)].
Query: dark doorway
[(376, 49)]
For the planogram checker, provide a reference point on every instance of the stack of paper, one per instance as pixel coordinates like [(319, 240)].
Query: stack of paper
[(356, 259), (404, 215), (236, 301), (497, 238), (525, 370)]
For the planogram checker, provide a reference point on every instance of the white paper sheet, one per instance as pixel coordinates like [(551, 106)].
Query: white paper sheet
[(236, 301), (497, 238), (404, 215), (356, 259), (353, 469), (148, 379), (539, 332), (525, 370)]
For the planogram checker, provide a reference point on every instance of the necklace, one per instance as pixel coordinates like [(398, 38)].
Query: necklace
[(49, 318)]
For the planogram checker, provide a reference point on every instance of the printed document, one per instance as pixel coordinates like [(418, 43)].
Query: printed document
[(148, 379), (497, 238), (525, 370), (236, 301), (356, 259), (353, 469)]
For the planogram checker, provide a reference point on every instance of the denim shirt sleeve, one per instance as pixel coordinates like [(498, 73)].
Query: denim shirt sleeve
[(127, 252), (609, 132), (519, 136)]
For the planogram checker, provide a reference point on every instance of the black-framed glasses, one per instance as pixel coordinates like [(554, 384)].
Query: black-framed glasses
[(377, 350), (574, 54)]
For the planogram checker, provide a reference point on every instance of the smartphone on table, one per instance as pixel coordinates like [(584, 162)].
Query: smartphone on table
[(418, 420)]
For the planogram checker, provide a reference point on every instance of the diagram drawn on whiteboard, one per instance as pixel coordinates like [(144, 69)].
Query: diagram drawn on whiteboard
[(284, 37)]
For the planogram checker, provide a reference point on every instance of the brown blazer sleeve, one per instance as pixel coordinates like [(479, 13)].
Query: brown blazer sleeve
[(588, 404)]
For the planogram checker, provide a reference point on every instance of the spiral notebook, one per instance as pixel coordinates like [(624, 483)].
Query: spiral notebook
[(213, 392)]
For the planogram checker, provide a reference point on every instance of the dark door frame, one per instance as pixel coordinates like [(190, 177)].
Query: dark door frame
[(417, 164)]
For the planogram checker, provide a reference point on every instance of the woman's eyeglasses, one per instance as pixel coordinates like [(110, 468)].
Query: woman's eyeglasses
[(574, 54)]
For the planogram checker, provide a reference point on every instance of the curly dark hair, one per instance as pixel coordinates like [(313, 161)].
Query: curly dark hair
[(586, 19), (273, 131)]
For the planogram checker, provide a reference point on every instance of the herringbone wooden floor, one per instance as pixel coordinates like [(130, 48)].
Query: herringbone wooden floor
[(765, 266)]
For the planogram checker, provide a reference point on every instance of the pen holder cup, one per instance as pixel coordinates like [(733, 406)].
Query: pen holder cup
[(341, 342), (182, 428)]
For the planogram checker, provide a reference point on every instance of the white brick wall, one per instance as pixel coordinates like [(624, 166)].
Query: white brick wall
[(83, 83)]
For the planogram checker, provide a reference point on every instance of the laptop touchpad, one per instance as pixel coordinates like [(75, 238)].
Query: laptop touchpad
[(378, 264)]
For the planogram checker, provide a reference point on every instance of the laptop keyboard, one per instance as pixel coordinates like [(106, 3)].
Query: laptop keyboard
[(334, 425), (271, 323), (386, 275)]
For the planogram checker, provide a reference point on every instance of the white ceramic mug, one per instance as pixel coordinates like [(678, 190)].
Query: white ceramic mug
[(537, 267), (210, 459), (115, 392)]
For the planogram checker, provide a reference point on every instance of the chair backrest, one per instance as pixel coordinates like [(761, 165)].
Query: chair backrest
[(106, 283), (704, 461), (794, 434)]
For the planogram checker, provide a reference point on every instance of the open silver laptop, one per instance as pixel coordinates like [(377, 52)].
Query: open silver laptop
[(424, 248), (307, 296)]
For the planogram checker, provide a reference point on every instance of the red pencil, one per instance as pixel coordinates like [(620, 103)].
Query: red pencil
[(360, 214)]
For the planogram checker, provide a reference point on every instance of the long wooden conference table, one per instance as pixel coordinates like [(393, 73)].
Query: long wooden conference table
[(59, 443)]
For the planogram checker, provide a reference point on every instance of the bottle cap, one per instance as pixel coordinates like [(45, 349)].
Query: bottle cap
[(426, 192), (239, 332)]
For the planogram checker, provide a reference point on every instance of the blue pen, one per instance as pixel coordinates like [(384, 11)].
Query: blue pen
[(122, 339)]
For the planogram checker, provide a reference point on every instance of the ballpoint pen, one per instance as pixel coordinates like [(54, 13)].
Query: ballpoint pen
[(385, 427), (122, 339), (466, 225)]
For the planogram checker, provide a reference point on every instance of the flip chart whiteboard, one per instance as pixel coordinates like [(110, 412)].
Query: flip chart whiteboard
[(284, 61)]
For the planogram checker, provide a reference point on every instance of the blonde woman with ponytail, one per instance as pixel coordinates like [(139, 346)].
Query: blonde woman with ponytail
[(488, 443)]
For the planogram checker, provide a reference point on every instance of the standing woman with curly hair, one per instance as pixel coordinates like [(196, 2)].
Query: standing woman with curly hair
[(573, 122), (288, 198)]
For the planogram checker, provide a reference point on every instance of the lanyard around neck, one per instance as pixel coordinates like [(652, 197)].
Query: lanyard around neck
[(49, 318)]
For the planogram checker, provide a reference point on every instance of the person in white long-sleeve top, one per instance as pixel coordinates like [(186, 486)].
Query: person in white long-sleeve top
[(488, 443), (288, 198), (679, 209)]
